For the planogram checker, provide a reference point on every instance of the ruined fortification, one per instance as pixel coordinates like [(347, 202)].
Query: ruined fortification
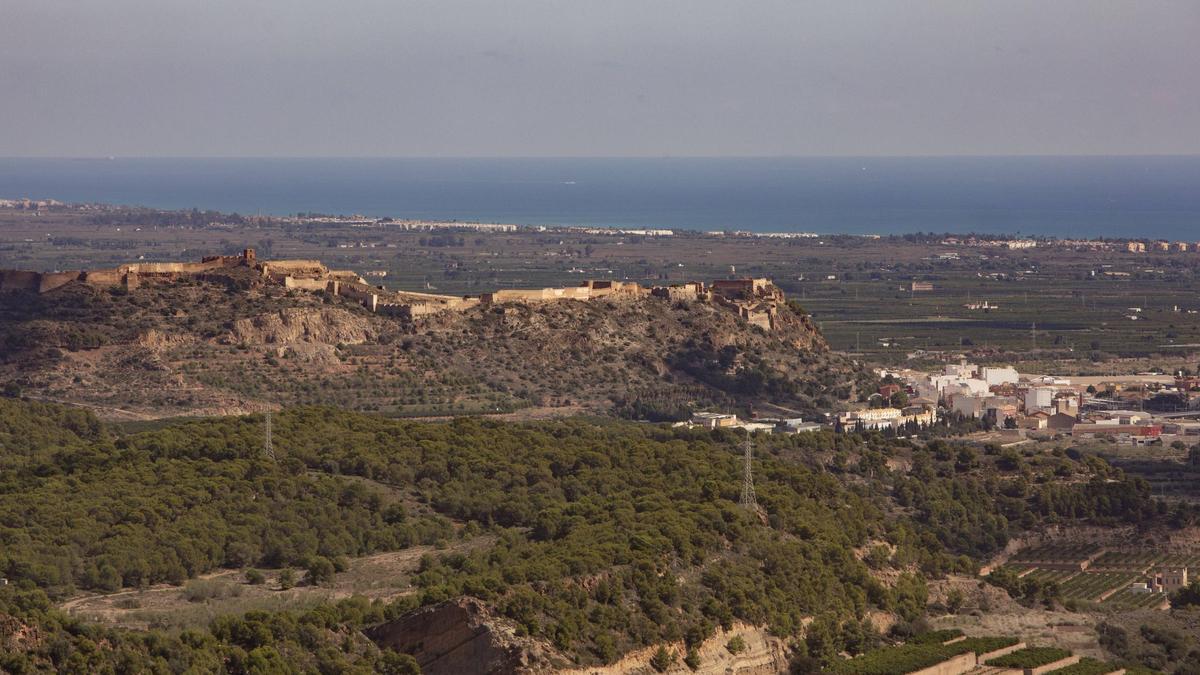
[(756, 301)]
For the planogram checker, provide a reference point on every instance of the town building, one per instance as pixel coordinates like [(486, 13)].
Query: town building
[(1135, 434), (997, 376), (711, 420), (889, 390), (1038, 398)]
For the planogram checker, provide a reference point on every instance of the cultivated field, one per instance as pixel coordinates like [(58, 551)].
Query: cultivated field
[(1090, 574)]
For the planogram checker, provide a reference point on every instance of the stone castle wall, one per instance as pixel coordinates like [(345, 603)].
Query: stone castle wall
[(753, 299), (305, 284), (20, 280)]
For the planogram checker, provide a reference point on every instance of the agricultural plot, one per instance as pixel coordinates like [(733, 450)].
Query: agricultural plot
[(1128, 559), (1030, 657), (1047, 576), (1107, 579), (1190, 560), (1091, 585), (1087, 666), (1127, 598)]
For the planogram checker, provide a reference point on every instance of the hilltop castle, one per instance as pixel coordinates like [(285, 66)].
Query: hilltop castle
[(755, 300)]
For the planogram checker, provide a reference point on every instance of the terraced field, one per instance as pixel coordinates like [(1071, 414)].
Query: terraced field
[(1190, 560), (1143, 559), (1127, 559), (1127, 598), (1108, 577), (1046, 576), (1092, 585)]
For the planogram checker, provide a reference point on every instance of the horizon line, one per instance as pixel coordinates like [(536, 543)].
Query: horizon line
[(603, 157)]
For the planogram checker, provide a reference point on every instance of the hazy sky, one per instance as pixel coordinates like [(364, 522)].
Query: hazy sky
[(597, 77)]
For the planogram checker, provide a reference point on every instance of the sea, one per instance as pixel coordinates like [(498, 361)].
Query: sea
[(1065, 197)]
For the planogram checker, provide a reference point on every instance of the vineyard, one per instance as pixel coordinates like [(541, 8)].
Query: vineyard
[(1093, 586), (1127, 598)]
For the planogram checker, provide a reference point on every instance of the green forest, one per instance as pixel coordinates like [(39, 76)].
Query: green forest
[(610, 535)]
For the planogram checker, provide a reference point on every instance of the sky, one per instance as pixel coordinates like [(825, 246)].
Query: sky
[(459, 78)]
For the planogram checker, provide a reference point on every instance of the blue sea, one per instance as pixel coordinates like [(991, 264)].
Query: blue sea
[(1055, 196)]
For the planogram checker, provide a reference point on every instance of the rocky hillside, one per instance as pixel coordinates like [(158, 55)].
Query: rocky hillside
[(234, 345)]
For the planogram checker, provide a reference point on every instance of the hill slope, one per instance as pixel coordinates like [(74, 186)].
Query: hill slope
[(233, 344)]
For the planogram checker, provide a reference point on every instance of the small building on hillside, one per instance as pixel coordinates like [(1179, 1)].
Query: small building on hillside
[(888, 390), (1170, 579)]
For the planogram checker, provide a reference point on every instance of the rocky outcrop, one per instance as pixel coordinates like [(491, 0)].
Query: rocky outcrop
[(288, 326), (157, 340), (763, 654), (18, 636), (455, 637)]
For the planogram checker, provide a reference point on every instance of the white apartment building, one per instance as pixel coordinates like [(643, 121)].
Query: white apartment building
[(1039, 398), (998, 376)]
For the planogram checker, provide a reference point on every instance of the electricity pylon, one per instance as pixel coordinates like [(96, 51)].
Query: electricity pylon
[(749, 501), (268, 447)]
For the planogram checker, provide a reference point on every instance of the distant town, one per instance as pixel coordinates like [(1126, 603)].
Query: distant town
[(1018, 407)]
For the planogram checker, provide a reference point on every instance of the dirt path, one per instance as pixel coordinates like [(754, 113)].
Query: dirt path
[(103, 411)]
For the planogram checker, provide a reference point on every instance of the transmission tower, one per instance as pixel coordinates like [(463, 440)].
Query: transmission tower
[(268, 448), (749, 501)]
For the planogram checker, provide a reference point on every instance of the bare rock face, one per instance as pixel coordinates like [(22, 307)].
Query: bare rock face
[(157, 340), (289, 326), (454, 637)]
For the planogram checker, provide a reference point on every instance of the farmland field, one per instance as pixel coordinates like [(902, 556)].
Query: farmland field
[(1091, 585), (1046, 576), (1127, 598), (1107, 581)]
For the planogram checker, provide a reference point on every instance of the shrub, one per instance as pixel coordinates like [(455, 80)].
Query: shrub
[(287, 579), (200, 590), (255, 577), (662, 659), (736, 645), (320, 571)]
